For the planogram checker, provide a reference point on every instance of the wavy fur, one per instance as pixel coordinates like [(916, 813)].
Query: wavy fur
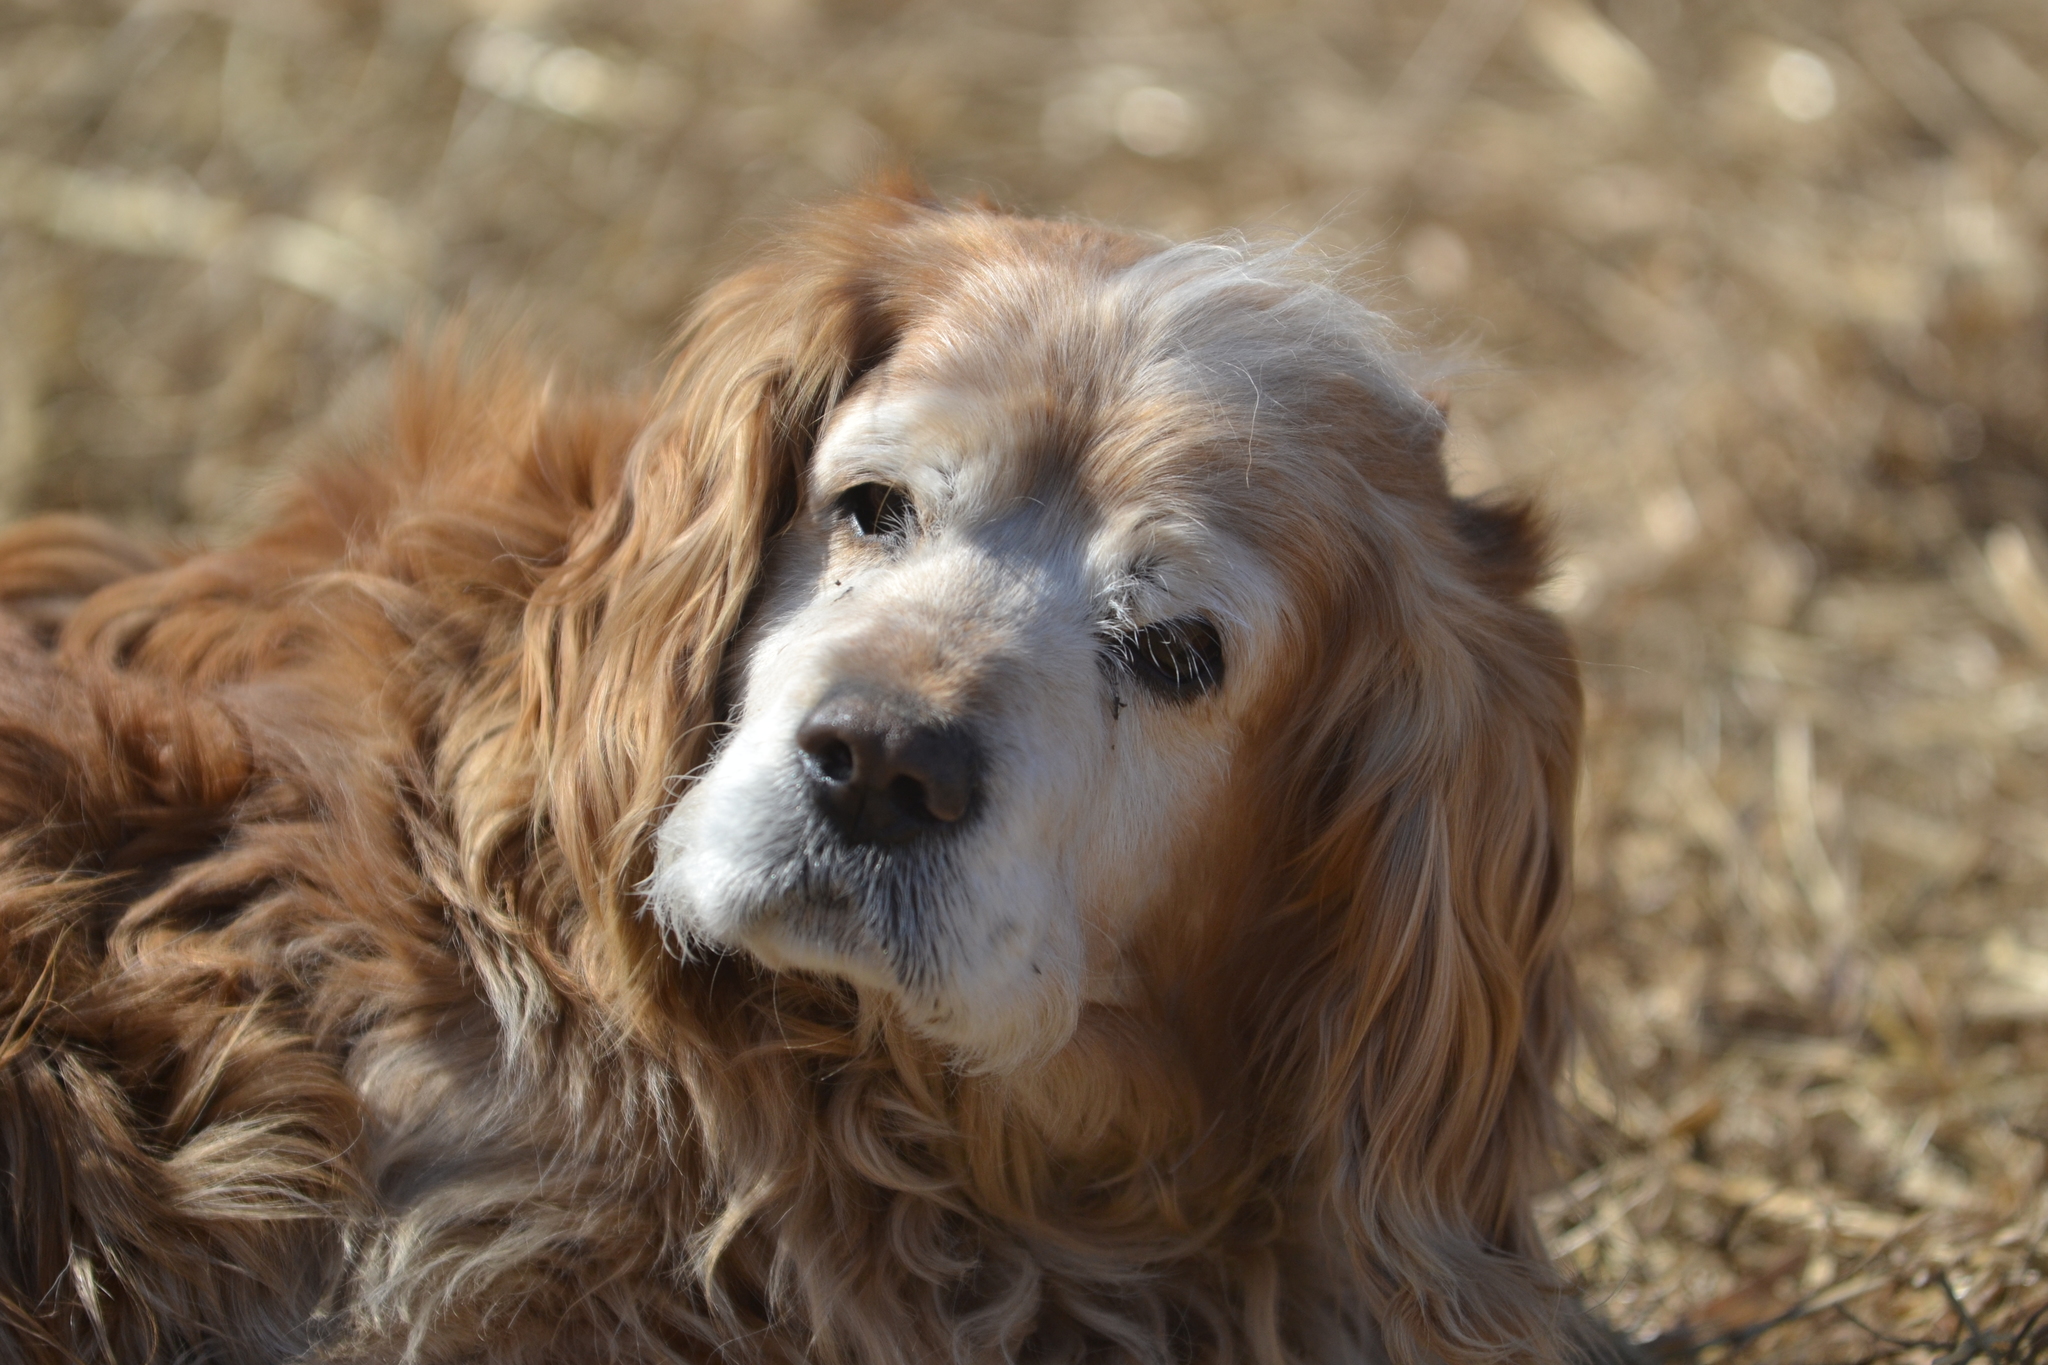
[(333, 1027)]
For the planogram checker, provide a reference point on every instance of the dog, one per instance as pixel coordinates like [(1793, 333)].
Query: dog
[(1006, 813)]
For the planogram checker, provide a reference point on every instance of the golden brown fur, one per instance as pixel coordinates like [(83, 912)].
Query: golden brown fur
[(333, 1027)]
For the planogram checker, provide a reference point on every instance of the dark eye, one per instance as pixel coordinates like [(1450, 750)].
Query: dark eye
[(1177, 659), (877, 509)]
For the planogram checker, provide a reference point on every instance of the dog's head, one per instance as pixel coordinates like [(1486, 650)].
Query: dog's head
[(1094, 627), (990, 706)]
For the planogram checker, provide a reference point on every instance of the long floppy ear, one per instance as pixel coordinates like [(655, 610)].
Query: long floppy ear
[(624, 644), (1427, 1032)]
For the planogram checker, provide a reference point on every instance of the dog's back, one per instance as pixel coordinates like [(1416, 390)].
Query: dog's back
[(210, 790)]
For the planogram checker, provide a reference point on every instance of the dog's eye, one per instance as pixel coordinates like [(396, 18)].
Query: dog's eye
[(877, 509), (1177, 659)]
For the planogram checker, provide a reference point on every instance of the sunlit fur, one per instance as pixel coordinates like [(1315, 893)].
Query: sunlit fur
[(334, 1021)]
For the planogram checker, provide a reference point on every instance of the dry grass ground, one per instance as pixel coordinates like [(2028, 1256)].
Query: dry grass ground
[(1754, 294)]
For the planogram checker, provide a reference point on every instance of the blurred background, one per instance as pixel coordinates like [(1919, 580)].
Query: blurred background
[(1753, 295)]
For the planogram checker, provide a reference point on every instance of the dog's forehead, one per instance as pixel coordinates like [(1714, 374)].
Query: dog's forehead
[(1131, 484), (1044, 382)]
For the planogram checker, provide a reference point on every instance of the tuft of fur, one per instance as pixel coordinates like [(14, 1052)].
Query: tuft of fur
[(330, 1026)]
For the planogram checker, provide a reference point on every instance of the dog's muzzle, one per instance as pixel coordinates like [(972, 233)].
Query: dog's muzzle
[(884, 773)]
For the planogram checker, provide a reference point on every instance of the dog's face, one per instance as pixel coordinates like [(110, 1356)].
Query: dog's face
[(997, 679), (992, 700)]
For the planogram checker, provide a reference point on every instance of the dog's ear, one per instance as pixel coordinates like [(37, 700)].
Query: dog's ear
[(1429, 1004), (625, 643)]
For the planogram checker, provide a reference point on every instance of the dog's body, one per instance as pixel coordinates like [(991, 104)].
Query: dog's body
[(1009, 814)]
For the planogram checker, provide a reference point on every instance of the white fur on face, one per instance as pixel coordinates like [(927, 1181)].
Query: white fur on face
[(995, 612)]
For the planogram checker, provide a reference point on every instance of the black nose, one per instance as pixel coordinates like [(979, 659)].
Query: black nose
[(880, 773)]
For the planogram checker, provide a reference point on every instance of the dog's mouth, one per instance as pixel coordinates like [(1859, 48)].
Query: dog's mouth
[(855, 869), (874, 837), (807, 849), (876, 913)]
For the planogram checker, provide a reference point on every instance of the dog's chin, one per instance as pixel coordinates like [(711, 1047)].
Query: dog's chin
[(993, 1022), (1002, 1015), (968, 956), (780, 947)]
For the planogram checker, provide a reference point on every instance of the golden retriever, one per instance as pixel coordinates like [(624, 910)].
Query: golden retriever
[(1007, 814)]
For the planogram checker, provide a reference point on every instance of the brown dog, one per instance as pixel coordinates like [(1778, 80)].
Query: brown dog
[(1008, 815)]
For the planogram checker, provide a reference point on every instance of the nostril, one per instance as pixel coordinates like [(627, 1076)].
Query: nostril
[(880, 773), (834, 760), (942, 792), (834, 745), (908, 796)]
